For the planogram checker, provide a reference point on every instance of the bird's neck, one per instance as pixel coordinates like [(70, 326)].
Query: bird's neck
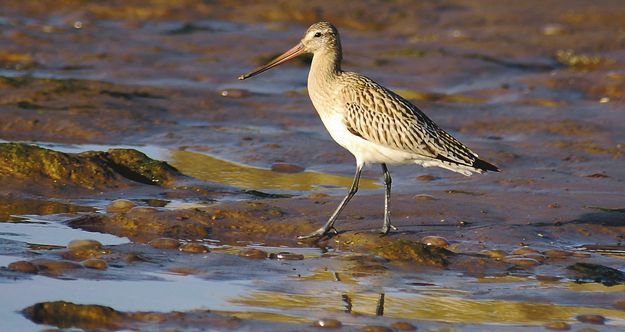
[(325, 67)]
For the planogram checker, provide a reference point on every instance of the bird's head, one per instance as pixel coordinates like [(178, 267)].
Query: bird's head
[(321, 37)]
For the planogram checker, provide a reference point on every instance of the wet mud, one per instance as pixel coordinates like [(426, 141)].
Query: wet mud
[(145, 188)]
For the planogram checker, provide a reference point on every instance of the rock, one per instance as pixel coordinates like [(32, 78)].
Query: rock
[(84, 244), (403, 326), (165, 243), (497, 254), (66, 314), (286, 256), (253, 253), (23, 266), (138, 167), (525, 250), (587, 272), (556, 253), (184, 270), (234, 93), (194, 247), (424, 197), (436, 241), (557, 326), (546, 278), (328, 323), (39, 168), (82, 249), (95, 263), (591, 319), (82, 254), (141, 225), (521, 261), (406, 250), (54, 266), (91, 317), (538, 257), (426, 177), (120, 205)]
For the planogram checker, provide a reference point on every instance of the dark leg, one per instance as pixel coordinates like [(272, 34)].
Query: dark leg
[(386, 227), (330, 224)]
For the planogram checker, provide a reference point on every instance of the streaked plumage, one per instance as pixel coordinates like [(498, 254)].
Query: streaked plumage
[(375, 124)]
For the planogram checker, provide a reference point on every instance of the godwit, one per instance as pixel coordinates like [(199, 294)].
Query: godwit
[(372, 122)]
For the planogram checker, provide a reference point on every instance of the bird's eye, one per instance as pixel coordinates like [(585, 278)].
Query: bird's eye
[(318, 34)]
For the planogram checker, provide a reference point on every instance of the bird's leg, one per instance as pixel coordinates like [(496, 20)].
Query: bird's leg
[(330, 224), (386, 227)]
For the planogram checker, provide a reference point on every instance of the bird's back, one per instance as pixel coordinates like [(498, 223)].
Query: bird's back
[(379, 115)]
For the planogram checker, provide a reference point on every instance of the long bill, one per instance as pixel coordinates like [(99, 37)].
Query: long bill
[(286, 56)]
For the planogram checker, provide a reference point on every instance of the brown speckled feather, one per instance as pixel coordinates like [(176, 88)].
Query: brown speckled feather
[(383, 117)]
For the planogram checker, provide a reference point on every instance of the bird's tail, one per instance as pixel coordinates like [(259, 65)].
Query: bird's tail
[(484, 166)]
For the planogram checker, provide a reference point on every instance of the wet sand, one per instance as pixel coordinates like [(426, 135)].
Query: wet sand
[(210, 241)]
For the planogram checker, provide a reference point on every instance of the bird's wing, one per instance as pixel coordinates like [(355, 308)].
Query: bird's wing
[(381, 116)]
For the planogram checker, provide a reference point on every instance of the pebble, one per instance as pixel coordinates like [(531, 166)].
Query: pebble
[(95, 263), (588, 329), (286, 168), (497, 254), (23, 266), (120, 205), (54, 265), (557, 253), (193, 247), (426, 177), (436, 241), (234, 93), (84, 244), (287, 256), (525, 250), (253, 253), (328, 323), (424, 197), (542, 277), (375, 328), (591, 319), (521, 261), (184, 270), (558, 326), (538, 257), (553, 205), (403, 326), (164, 243)]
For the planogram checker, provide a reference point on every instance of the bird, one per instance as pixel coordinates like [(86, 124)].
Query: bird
[(372, 122)]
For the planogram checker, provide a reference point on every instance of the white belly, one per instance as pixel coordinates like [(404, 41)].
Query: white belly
[(365, 152)]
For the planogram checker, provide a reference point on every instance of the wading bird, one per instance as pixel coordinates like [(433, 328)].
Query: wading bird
[(372, 122)]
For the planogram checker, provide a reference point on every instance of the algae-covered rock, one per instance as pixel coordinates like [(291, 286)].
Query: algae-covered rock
[(406, 250), (142, 226), (136, 166), (66, 314), (94, 317), (29, 166), (588, 272)]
